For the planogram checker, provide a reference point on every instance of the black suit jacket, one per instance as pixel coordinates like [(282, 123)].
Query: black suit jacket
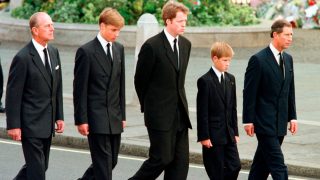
[(160, 83), (1, 82), (32, 102), (268, 99), (99, 88), (216, 112)]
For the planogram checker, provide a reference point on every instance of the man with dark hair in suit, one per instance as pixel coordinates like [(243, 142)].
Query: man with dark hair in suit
[(269, 102), (159, 82), (34, 98), (99, 95)]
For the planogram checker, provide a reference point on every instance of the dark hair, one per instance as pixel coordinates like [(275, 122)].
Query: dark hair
[(278, 26)]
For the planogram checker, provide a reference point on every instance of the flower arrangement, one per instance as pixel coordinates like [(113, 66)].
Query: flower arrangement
[(4, 4), (300, 13)]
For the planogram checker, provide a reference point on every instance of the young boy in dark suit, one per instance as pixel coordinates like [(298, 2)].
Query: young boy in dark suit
[(217, 116)]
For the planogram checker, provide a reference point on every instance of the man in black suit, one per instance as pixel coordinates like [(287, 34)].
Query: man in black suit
[(34, 98), (217, 121), (99, 95), (269, 102), (159, 82)]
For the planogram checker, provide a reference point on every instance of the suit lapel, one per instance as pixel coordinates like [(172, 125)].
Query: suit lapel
[(54, 64), (182, 54), (216, 83), (101, 57), (287, 68), (228, 87), (39, 64), (287, 65), (271, 60), (169, 51), (116, 60)]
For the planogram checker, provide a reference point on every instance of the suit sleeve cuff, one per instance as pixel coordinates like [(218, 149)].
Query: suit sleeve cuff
[(247, 124)]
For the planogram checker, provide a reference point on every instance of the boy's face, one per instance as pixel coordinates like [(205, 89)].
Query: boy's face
[(109, 32), (222, 64)]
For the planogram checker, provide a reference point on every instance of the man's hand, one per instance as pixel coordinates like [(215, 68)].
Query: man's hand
[(237, 138), (293, 127), (60, 126), (15, 134), (249, 128), (83, 129), (124, 124), (206, 143)]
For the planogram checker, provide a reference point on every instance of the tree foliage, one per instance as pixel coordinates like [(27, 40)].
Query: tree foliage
[(205, 13)]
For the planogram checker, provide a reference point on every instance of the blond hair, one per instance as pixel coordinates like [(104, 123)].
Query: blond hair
[(221, 49), (110, 16)]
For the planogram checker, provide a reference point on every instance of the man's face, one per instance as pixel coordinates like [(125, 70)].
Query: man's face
[(109, 32), (43, 32), (222, 64), (283, 40), (177, 25)]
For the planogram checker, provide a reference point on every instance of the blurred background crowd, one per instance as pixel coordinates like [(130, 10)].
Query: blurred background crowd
[(301, 13)]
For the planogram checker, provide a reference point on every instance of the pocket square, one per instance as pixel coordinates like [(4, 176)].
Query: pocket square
[(57, 67)]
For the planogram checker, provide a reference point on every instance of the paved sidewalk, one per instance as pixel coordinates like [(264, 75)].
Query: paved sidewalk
[(302, 151)]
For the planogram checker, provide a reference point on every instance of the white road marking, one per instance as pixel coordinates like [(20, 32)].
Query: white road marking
[(120, 156)]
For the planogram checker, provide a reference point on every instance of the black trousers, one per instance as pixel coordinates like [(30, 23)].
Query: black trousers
[(169, 152), (36, 154), (104, 149), (222, 162), (268, 159)]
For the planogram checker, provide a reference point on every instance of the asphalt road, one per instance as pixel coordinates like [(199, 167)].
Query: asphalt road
[(69, 164)]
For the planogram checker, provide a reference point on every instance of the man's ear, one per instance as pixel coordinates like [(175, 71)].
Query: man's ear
[(34, 31), (275, 34), (168, 21), (102, 26)]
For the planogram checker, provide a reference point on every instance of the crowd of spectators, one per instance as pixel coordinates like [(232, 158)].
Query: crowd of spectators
[(300, 13)]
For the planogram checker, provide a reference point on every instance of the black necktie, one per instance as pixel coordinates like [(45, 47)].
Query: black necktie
[(46, 59), (109, 53), (222, 83), (175, 50), (281, 63)]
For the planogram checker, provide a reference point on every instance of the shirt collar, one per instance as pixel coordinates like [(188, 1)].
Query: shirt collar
[(274, 50), (38, 46), (170, 37), (103, 42), (218, 73)]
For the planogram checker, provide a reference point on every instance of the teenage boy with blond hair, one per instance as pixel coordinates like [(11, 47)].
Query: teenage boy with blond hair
[(99, 95)]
